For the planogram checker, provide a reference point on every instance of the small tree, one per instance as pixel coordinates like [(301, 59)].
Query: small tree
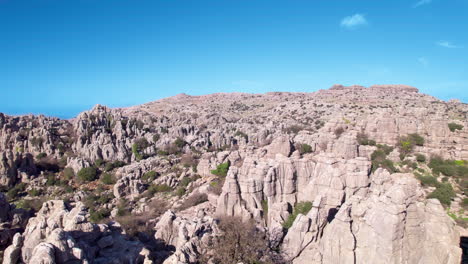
[(239, 242)]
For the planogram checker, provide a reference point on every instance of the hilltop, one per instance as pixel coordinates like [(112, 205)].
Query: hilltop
[(343, 175)]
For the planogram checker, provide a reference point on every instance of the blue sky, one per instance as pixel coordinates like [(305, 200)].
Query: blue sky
[(61, 57)]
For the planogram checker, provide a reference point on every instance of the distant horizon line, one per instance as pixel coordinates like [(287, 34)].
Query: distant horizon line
[(74, 111)]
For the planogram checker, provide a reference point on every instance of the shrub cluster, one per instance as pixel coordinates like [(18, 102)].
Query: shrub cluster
[(379, 158), (456, 168), (406, 144)]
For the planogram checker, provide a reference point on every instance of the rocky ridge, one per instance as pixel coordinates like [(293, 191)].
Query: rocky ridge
[(334, 176)]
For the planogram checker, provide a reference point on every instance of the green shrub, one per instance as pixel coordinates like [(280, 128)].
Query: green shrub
[(305, 148), (113, 165), (427, 180), (138, 146), (420, 158), (150, 176), (448, 167), (107, 178), (406, 144), (300, 208), (265, 208), (51, 180), (159, 188), (379, 159), (454, 126), (41, 155), (221, 169), (99, 162), (180, 143), (181, 191), (35, 192), (87, 174), (96, 216), (185, 181), (444, 193), (417, 139), (15, 191)]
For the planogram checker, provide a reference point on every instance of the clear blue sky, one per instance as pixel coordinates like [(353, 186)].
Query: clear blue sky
[(60, 57)]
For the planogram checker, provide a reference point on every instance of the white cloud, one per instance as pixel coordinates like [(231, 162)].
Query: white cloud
[(422, 2), (446, 44), (354, 21), (424, 61)]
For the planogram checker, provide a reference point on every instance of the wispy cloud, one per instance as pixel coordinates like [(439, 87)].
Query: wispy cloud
[(421, 2), (446, 44), (354, 21), (423, 61)]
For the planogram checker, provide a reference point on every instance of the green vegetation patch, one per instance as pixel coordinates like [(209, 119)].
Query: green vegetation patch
[(221, 169), (300, 208), (87, 174), (455, 168), (454, 127), (379, 158)]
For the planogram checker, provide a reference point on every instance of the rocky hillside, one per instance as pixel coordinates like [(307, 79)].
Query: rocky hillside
[(344, 175)]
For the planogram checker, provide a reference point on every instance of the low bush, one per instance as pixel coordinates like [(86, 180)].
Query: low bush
[(87, 174), (454, 127), (159, 188), (180, 191), (221, 170), (448, 167), (179, 143), (420, 158), (304, 148), (96, 216), (444, 193), (150, 176), (300, 208), (406, 144), (379, 159), (41, 155), (107, 178), (14, 192)]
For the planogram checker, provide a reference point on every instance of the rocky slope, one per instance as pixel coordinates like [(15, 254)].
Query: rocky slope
[(344, 175)]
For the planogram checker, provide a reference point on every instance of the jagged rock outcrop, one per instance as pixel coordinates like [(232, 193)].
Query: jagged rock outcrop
[(391, 223), (59, 235), (189, 237)]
